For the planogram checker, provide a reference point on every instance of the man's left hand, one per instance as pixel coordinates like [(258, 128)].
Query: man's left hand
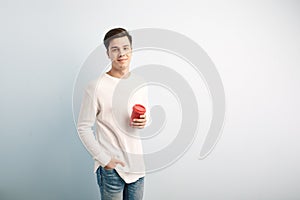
[(139, 123)]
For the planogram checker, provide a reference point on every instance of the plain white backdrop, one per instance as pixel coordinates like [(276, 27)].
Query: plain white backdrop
[(254, 45)]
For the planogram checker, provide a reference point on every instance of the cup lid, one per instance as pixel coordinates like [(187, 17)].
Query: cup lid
[(139, 108)]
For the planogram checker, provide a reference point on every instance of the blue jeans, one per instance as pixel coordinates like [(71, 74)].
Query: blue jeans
[(113, 187)]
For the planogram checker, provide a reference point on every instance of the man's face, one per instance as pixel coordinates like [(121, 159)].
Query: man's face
[(119, 52)]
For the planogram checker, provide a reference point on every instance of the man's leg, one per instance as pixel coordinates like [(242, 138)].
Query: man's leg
[(110, 183), (134, 191)]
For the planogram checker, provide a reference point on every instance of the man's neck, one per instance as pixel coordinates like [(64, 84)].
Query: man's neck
[(119, 74)]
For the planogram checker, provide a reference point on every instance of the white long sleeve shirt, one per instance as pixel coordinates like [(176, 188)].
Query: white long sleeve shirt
[(107, 103)]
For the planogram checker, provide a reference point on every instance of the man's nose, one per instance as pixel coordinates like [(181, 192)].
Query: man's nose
[(121, 53)]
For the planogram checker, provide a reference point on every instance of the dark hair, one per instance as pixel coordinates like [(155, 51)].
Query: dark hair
[(115, 33)]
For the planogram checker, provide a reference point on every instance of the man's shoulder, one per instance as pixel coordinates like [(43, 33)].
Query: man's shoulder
[(93, 85)]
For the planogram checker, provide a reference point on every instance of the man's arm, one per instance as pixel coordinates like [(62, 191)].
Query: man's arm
[(87, 116)]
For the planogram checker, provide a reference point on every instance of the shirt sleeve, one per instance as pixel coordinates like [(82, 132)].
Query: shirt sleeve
[(86, 120)]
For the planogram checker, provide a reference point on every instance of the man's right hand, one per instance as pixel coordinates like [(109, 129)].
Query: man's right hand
[(113, 163)]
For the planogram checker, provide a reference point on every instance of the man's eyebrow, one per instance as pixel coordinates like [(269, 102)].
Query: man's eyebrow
[(126, 45)]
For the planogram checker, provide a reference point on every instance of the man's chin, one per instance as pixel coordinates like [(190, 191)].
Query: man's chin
[(123, 66)]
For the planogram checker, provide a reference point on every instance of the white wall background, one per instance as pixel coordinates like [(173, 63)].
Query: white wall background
[(254, 45)]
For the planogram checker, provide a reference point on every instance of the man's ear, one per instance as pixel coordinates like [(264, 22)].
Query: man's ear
[(107, 53)]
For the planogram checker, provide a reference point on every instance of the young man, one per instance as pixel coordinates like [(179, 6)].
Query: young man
[(118, 156)]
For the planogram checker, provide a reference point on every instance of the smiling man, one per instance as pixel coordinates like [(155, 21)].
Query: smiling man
[(118, 155)]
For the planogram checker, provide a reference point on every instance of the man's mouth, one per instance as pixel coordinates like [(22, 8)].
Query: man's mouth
[(122, 59)]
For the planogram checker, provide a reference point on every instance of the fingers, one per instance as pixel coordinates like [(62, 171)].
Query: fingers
[(143, 116), (139, 120), (140, 127), (138, 123), (122, 163), (113, 163)]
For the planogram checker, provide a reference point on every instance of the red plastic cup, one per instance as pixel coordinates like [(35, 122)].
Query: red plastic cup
[(137, 110)]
